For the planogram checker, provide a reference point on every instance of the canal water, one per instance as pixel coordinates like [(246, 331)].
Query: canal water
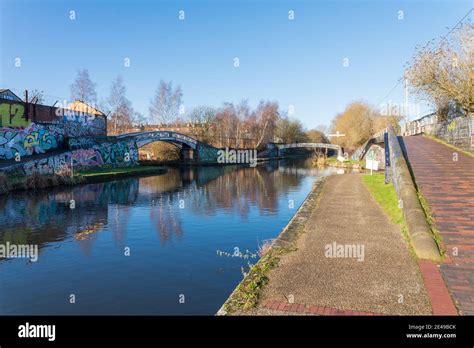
[(174, 244)]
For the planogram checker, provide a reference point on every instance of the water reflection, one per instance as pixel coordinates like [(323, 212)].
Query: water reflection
[(42, 218), (173, 223)]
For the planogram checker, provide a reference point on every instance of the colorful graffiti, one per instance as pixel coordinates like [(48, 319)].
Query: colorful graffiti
[(86, 158), (40, 138), (376, 153), (12, 115), (32, 140), (82, 125), (207, 153), (81, 143), (119, 154)]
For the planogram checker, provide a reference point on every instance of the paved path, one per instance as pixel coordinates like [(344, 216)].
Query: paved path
[(448, 186), (387, 281)]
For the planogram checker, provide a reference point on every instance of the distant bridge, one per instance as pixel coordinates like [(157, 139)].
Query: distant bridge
[(311, 145)]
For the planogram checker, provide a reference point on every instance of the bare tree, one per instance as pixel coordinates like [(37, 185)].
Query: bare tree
[(443, 72), (322, 128), (138, 119), (83, 88), (121, 112), (267, 115), (35, 96), (165, 104), (201, 120), (290, 130), (227, 120)]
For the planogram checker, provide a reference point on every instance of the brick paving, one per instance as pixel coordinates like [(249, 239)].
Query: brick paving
[(448, 186), (299, 308)]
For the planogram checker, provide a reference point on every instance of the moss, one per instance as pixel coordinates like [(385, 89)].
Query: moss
[(431, 223)]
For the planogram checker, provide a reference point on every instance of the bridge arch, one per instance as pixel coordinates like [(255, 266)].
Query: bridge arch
[(311, 145), (175, 138), (190, 148)]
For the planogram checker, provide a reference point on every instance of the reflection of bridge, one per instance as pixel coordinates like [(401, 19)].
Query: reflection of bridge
[(310, 145)]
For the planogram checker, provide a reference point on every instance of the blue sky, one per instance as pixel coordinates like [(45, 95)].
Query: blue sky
[(297, 62)]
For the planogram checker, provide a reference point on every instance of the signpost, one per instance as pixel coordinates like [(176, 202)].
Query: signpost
[(337, 135)]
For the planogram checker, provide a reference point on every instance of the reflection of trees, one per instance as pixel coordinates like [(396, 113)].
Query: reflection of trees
[(240, 190), (166, 218), (45, 217)]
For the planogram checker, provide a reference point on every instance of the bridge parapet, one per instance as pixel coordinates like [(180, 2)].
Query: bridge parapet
[(311, 145)]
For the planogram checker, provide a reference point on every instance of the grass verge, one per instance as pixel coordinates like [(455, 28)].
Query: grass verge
[(386, 196)]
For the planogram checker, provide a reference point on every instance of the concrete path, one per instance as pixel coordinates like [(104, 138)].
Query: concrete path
[(387, 281), (448, 186)]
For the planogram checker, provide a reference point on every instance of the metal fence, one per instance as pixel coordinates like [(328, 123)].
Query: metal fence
[(458, 131)]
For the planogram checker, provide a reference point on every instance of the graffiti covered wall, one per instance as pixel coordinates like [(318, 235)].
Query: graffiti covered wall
[(40, 138), (12, 114), (376, 153), (118, 154), (33, 139), (82, 125), (207, 154)]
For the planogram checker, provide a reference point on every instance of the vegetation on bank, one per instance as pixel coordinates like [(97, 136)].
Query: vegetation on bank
[(114, 172), (38, 181), (386, 196), (332, 161), (431, 222)]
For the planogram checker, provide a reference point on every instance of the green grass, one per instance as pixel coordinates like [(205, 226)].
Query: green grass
[(118, 171), (387, 198), (385, 195), (333, 160)]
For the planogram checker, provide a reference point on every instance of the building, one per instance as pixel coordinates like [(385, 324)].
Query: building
[(9, 95)]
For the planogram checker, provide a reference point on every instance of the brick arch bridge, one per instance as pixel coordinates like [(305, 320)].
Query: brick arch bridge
[(190, 148)]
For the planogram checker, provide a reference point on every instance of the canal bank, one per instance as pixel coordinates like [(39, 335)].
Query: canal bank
[(348, 257), (68, 178)]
